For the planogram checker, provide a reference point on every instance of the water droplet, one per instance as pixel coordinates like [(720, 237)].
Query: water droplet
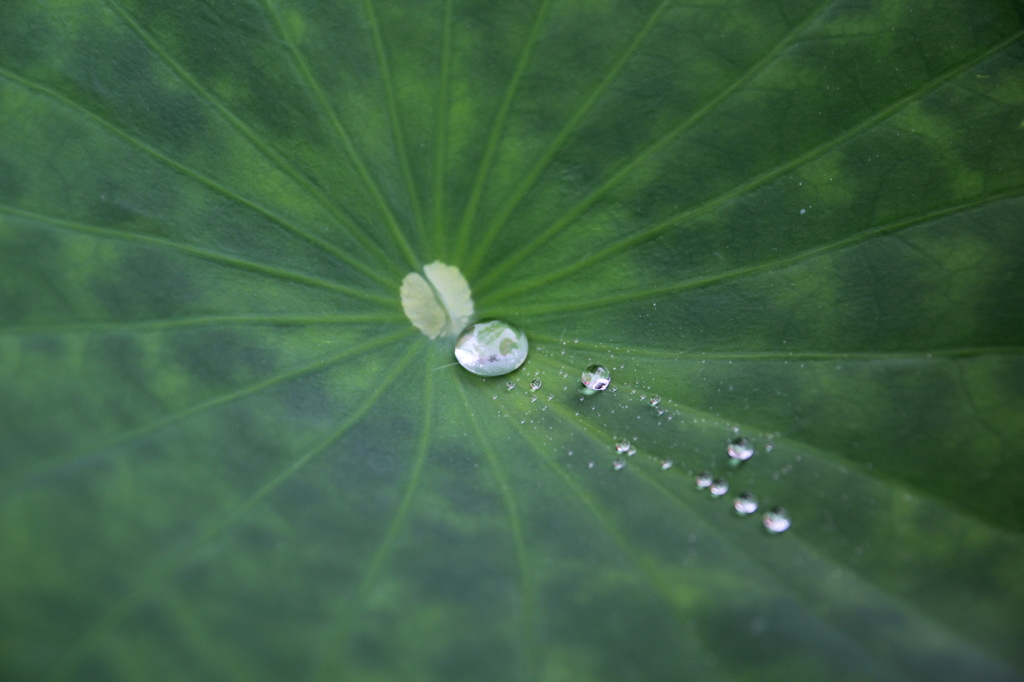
[(777, 520), (769, 447), (510, 385), (745, 503), (666, 464), (619, 464), (621, 445), (740, 449), (703, 479), (655, 399), (590, 465), (631, 451), (719, 487), (596, 378), (491, 348), (535, 384), (533, 398), (550, 397)]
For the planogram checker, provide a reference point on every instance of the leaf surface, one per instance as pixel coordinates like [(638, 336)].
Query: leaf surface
[(227, 454)]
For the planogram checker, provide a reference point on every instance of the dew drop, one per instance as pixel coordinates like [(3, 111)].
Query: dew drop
[(740, 449), (655, 399), (491, 348), (745, 503), (631, 451), (769, 447), (535, 384), (510, 385), (777, 520), (719, 487), (550, 397), (666, 464), (703, 479), (619, 464), (621, 445), (596, 378)]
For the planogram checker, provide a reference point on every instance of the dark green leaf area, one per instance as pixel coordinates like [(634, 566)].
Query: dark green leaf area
[(226, 454)]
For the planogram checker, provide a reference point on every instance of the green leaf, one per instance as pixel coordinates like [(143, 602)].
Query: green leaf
[(227, 454)]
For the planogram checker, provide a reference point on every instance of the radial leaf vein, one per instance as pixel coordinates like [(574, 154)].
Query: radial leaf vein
[(646, 565), (466, 224), (346, 140), (559, 142), (223, 190), (518, 256), (441, 133), (697, 354), (528, 630), (600, 437), (160, 570), (350, 608), (191, 322), (205, 254), (268, 151), (399, 137), (810, 603), (772, 173), (20, 480), (811, 450), (745, 271)]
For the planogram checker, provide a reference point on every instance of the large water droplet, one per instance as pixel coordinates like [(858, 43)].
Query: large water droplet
[(596, 378), (703, 479), (719, 487), (745, 503), (777, 520), (740, 449), (491, 348)]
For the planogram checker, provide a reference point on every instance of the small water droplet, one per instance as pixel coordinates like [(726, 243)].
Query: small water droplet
[(621, 445), (703, 479), (666, 464), (769, 447), (533, 398), (596, 378), (590, 465), (777, 520), (550, 397), (655, 399), (719, 487), (631, 451), (510, 385), (619, 464), (535, 384), (491, 348), (740, 449), (745, 503)]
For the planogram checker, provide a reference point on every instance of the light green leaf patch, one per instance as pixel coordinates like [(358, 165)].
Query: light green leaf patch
[(441, 304)]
